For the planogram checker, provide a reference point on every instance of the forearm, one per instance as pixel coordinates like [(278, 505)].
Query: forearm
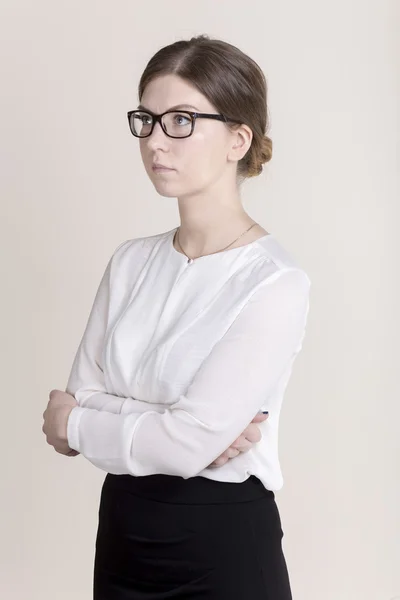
[(111, 403), (108, 442)]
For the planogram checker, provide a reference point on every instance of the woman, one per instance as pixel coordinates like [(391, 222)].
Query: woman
[(192, 333)]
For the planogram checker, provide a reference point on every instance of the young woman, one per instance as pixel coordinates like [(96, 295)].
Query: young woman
[(192, 334)]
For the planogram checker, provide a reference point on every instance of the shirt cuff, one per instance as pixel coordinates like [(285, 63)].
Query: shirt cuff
[(73, 427)]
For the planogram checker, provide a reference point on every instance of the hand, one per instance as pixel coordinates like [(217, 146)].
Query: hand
[(243, 443), (56, 419)]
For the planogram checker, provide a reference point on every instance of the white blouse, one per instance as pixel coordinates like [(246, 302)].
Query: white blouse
[(177, 358)]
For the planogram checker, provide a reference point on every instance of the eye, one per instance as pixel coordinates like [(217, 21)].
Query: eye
[(180, 119), (146, 119)]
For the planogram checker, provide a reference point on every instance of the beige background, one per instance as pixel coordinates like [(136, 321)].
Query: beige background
[(73, 187)]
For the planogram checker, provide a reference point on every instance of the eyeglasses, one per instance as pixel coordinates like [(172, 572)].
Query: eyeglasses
[(175, 124)]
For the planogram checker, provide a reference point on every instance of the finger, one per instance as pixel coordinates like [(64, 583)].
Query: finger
[(62, 449), (243, 444), (231, 452), (260, 417), (252, 433), (221, 460), (241, 441)]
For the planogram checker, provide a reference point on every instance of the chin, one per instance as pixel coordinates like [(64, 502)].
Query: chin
[(168, 191)]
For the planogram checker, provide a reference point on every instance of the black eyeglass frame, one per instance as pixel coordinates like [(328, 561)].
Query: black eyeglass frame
[(193, 115)]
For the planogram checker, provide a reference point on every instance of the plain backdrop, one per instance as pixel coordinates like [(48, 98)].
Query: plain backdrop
[(73, 187)]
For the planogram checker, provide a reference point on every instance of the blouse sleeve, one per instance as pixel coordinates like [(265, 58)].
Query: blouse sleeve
[(230, 387), (86, 380)]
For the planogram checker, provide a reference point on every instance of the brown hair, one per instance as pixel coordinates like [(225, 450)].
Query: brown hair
[(229, 79)]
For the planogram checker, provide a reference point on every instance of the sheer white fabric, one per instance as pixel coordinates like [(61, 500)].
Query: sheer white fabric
[(246, 370)]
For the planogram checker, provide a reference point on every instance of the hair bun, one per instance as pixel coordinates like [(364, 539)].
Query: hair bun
[(266, 149), (259, 153)]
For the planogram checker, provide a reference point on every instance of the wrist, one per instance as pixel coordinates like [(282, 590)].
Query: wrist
[(66, 411)]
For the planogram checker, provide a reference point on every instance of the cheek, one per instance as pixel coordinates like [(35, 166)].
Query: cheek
[(147, 159), (144, 152), (191, 155), (200, 156)]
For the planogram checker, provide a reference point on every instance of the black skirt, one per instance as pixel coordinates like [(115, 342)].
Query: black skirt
[(164, 537)]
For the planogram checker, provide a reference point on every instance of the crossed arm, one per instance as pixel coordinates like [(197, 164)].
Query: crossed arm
[(122, 436)]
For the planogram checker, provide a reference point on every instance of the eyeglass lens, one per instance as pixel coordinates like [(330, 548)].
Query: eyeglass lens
[(177, 124)]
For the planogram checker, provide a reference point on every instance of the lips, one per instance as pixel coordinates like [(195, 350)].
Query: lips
[(158, 166)]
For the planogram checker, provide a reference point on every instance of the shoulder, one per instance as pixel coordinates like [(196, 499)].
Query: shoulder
[(275, 260), (137, 246), (273, 250)]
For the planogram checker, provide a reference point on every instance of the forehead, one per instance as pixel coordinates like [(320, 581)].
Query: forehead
[(170, 91)]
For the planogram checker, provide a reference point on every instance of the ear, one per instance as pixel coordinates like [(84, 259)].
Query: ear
[(241, 139)]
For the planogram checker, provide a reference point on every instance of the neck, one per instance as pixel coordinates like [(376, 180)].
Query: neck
[(210, 222)]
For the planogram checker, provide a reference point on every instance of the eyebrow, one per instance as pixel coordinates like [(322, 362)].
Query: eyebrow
[(177, 106)]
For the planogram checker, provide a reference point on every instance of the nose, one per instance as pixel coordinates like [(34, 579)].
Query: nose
[(157, 139)]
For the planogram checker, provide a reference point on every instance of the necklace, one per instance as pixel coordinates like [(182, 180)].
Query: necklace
[(190, 260)]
